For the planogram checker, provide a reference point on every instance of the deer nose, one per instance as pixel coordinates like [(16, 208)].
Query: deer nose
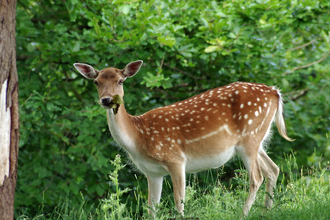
[(105, 101)]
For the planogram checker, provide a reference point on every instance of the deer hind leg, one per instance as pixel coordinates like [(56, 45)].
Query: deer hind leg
[(271, 171), (250, 158), (155, 184), (178, 176)]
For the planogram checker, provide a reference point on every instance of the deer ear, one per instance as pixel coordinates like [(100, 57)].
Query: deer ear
[(86, 70), (132, 68)]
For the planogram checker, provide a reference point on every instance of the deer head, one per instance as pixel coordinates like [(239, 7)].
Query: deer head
[(109, 81)]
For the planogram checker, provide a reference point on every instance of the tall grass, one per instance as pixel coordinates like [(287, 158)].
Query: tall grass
[(299, 195)]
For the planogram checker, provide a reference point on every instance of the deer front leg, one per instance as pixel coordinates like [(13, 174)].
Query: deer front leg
[(178, 176), (155, 184)]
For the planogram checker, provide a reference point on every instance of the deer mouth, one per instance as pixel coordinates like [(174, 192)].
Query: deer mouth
[(108, 106), (113, 103)]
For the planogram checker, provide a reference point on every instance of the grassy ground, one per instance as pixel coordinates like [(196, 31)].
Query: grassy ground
[(300, 196)]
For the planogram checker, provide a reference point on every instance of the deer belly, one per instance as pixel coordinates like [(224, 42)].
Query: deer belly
[(204, 162), (150, 168)]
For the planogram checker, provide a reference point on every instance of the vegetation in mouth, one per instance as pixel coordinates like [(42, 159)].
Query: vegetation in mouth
[(115, 103)]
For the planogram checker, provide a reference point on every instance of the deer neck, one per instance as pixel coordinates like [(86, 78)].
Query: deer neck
[(122, 129)]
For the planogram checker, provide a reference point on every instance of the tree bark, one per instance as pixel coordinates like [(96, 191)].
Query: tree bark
[(9, 118)]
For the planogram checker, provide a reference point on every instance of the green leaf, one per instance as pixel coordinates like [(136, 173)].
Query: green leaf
[(232, 35), (76, 47), (211, 49), (31, 47), (237, 30), (117, 99), (167, 84), (166, 40), (42, 173), (100, 191), (74, 187), (125, 9), (285, 83)]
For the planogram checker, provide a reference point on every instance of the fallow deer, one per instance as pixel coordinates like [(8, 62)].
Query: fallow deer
[(199, 133)]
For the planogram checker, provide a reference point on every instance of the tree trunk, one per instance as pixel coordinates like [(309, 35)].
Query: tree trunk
[(9, 120)]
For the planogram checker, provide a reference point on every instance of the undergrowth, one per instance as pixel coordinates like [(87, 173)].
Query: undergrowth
[(301, 195)]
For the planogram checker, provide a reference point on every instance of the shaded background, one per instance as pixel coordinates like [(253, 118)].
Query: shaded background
[(187, 48)]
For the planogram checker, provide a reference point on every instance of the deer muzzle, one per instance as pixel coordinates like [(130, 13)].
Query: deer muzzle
[(105, 102)]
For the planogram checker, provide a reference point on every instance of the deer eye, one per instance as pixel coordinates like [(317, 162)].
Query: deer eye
[(120, 82), (95, 82)]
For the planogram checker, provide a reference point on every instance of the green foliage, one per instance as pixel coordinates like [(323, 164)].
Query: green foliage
[(116, 102), (112, 207), (188, 47)]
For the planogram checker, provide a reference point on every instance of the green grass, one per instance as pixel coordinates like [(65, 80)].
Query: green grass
[(298, 196)]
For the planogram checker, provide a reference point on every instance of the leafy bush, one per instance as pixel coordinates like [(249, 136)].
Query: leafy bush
[(188, 47)]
